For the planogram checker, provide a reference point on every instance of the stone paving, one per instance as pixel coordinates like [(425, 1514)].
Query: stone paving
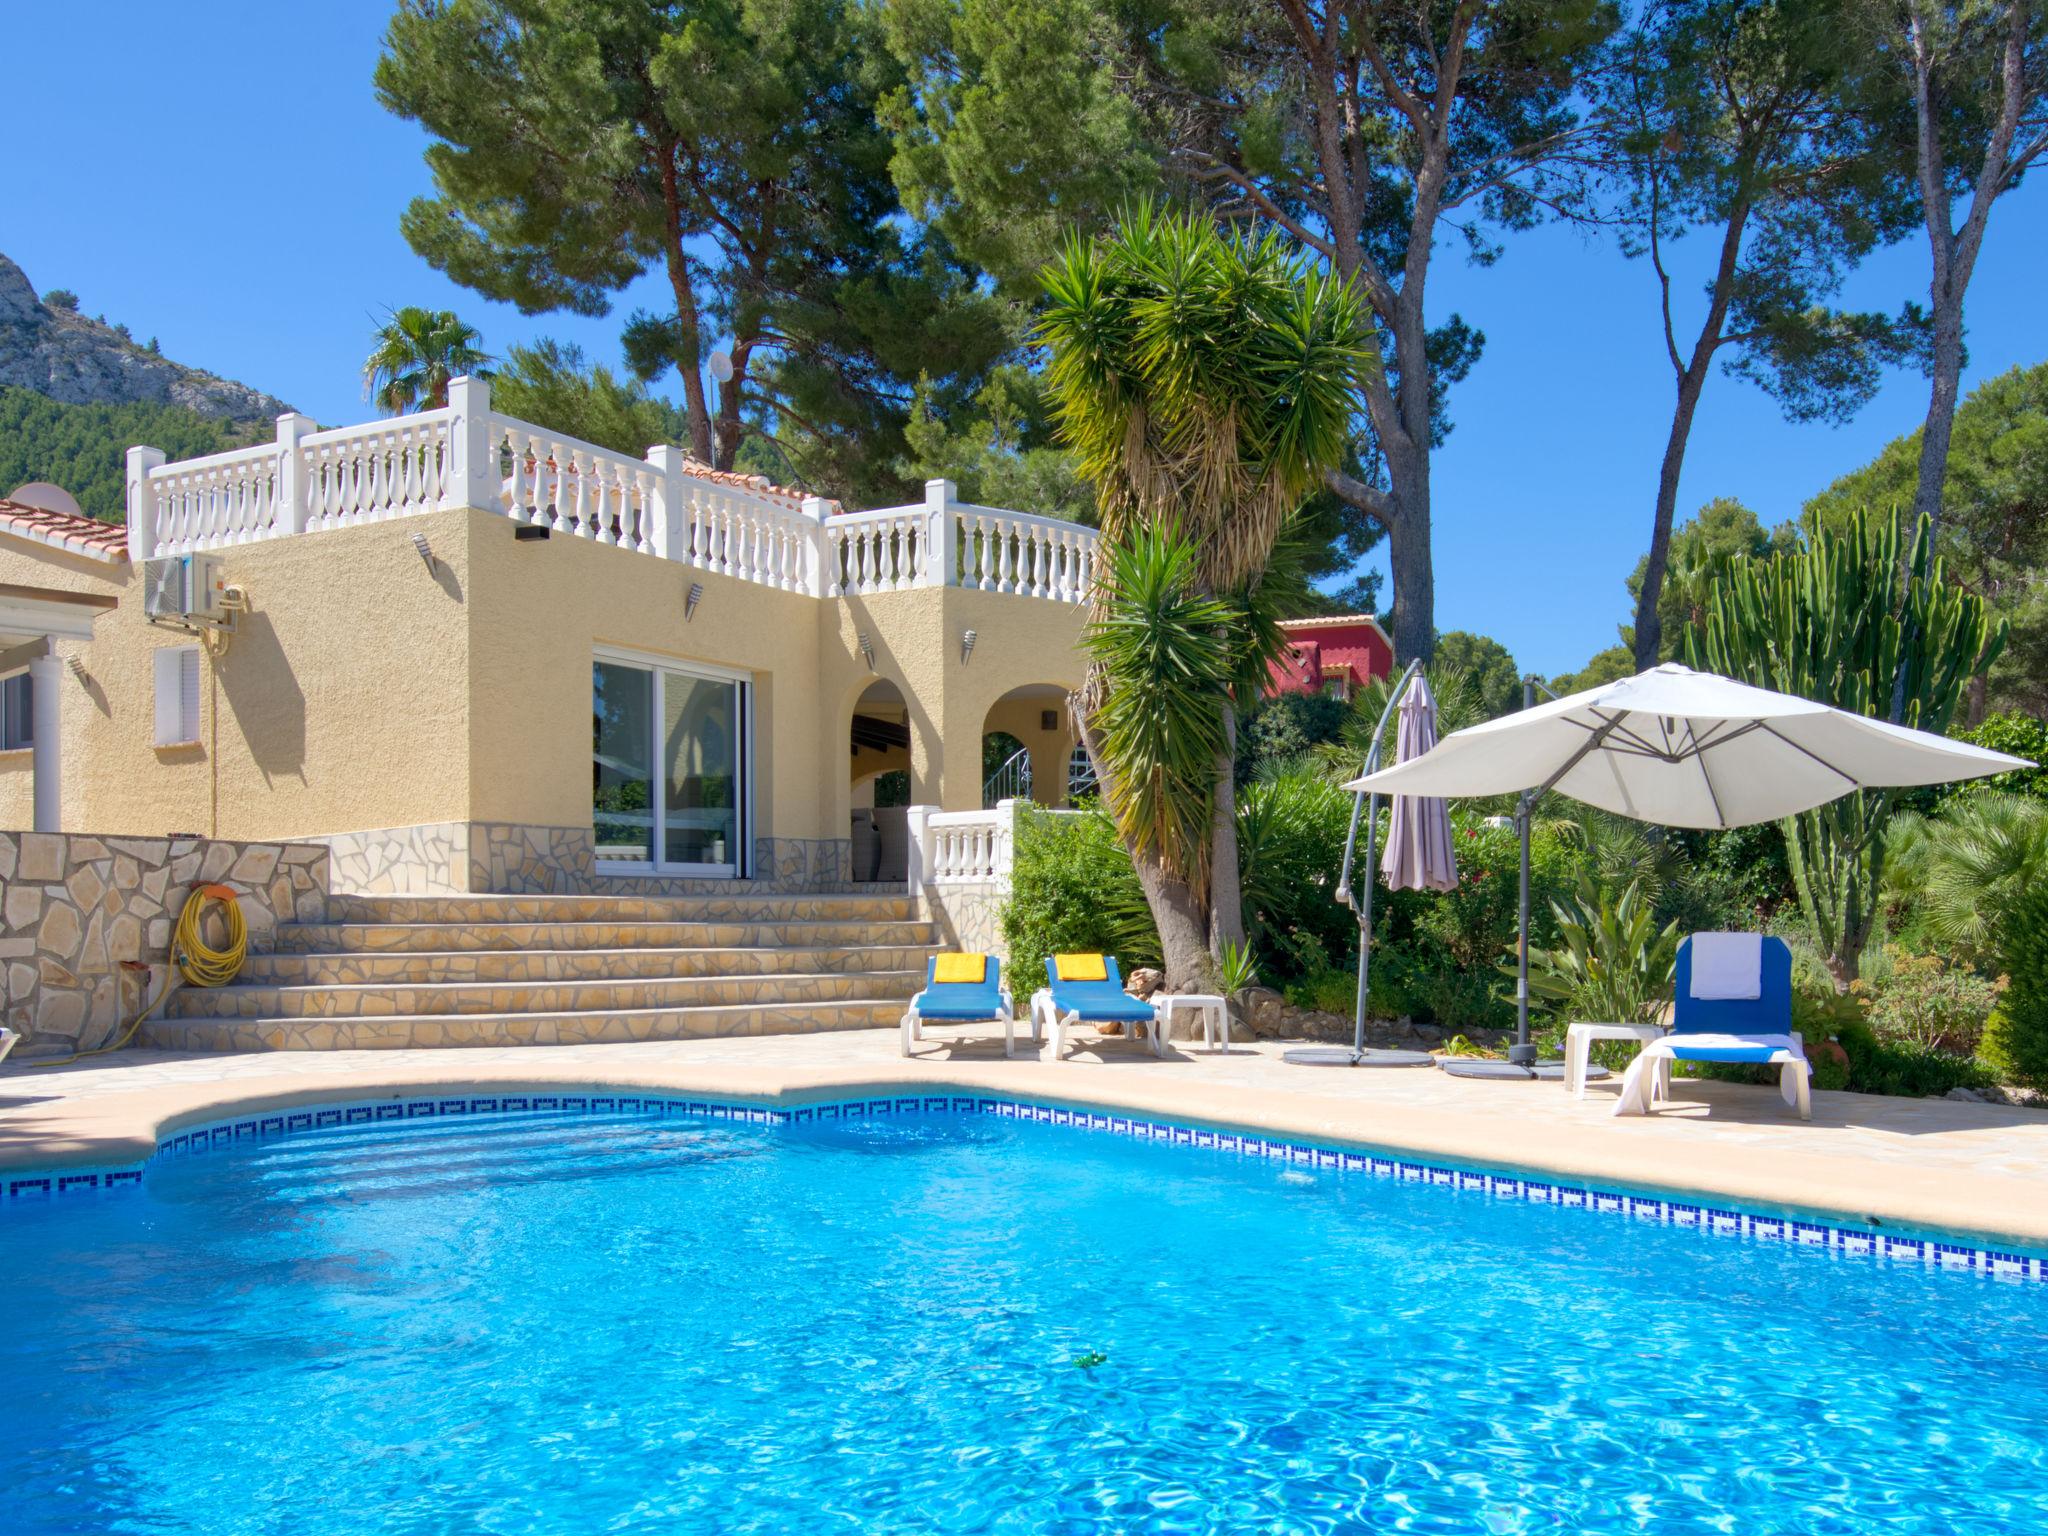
[(1920, 1164)]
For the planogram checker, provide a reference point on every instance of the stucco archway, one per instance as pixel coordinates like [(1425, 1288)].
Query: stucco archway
[(1035, 715)]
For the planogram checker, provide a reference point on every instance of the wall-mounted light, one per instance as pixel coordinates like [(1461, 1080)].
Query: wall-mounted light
[(867, 649), (1048, 719), (966, 645), (419, 542), (691, 599)]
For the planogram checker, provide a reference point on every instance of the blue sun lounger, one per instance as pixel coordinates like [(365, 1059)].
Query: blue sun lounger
[(1090, 987), (1712, 1020), (961, 989)]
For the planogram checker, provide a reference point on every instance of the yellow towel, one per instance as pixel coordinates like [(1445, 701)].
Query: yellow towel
[(1080, 967), (955, 969)]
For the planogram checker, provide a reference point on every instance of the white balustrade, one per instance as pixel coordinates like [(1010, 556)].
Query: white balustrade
[(968, 847), (880, 551), (1003, 551), (465, 455), (370, 474), (746, 537), (227, 498), (569, 486)]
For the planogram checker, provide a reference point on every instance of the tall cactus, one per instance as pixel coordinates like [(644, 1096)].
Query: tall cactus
[(1841, 620)]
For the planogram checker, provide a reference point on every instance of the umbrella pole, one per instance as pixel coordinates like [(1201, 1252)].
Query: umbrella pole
[(1522, 1053)]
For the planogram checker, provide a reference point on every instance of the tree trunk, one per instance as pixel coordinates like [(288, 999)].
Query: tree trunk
[(1649, 623), (1410, 559), (677, 265), (1941, 404), (1226, 895), (1178, 911)]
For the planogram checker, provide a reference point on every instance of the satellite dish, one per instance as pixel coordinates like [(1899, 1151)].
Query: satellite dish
[(721, 366), (47, 498)]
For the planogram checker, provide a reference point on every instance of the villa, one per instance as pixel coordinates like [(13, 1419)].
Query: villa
[(467, 656)]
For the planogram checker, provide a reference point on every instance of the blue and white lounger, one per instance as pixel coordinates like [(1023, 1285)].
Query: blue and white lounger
[(1733, 1002), (1090, 987), (961, 989)]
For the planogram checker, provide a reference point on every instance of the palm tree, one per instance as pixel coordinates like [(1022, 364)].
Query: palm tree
[(1965, 871), (1205, 381), (417, 352)]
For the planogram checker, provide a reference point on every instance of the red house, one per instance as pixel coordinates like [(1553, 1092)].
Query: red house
[(1342, 652)]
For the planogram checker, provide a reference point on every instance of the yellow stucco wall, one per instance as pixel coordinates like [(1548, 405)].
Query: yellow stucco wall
[(364, 691)]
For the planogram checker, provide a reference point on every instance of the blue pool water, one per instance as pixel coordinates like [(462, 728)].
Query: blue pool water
[(555, 1324)]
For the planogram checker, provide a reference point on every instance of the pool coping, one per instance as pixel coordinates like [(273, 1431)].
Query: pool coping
[(123, 1132)]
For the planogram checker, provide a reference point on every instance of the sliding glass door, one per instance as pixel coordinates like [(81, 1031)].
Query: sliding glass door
[(669, 768)]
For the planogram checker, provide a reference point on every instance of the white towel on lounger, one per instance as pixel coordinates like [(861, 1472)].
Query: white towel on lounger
[(1727, 966)]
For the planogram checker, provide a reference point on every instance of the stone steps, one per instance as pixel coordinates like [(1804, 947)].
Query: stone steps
[(379, 1000), (622, 909), (404, 967), (332, 937), (408, 1031), (385, 972)]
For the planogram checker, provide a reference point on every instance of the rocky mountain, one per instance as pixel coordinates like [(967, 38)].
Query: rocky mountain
[(60, 353)]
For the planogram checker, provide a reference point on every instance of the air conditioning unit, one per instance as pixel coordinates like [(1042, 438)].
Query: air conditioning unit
[(187, 587)]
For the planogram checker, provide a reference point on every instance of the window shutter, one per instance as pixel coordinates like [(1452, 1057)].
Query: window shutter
[(177, 695)]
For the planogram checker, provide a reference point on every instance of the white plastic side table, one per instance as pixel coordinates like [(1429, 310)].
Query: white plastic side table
[(1215, 1016), (1578, 1047)]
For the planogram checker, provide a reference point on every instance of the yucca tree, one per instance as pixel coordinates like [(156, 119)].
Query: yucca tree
[(1851, 619), (1205, 381), (417, 352)]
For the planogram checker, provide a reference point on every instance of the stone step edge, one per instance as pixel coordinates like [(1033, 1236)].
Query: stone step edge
[(764, 977), (402, 1020)]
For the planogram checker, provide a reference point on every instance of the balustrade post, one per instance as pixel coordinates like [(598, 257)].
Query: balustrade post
[(474, 478), (820, 559), (142, 503), (291, 473), (940, 551), (917, 859), (1006, 842), (665, 517)]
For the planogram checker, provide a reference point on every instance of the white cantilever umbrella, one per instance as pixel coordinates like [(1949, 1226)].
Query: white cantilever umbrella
[(1686, 749), (1681, 748)]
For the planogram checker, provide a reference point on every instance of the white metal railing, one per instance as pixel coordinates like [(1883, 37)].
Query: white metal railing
[(1011, 781), (465, 455)]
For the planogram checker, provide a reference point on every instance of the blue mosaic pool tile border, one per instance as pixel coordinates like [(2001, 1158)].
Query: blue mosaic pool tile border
[(1850, 1242)]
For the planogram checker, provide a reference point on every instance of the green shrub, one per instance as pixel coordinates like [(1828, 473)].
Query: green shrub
[(1291, 824), (2017, 1040), (1927, 1004), (2020, 734), (1612, 962), (1326, 992), (1072, 889)]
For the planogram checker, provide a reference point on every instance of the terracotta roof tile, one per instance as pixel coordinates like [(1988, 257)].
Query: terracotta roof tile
[(62, 530), (760, 485)]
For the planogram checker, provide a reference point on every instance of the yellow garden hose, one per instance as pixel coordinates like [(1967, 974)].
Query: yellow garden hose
[(198, 961)]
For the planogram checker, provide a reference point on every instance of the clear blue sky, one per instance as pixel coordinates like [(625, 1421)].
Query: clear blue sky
[(231, 187)]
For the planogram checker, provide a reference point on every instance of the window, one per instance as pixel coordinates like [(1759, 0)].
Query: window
[(17, 713), (669, 767), (177, 695)]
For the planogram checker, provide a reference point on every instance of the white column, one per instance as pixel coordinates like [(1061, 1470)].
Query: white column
[(142, 503), (918, 822), (291, 473), (821, 561), (474, 479), (46, 677), (1006, 841), (665, 523), (941, 535)]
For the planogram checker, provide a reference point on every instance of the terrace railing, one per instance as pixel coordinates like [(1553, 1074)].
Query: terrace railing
[(466, 455)]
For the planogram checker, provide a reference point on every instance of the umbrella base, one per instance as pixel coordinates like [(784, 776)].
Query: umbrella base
[(1344, 1056), (1513, 1071)]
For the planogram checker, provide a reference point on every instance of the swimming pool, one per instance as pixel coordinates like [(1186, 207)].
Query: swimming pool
[(944, 1322)]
